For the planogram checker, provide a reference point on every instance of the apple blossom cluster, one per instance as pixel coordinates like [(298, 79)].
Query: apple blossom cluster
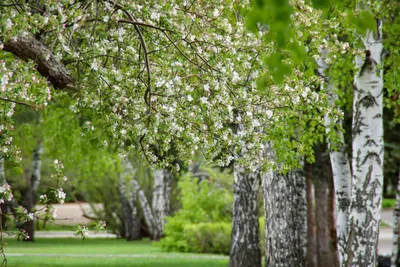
[(173, 78), (5, 193), (23, 215), (82, 232)]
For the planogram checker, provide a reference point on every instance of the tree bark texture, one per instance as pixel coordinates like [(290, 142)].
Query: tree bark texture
[(129, 203), (326, 252), (340, 163), (161, 200), (367, 160), (28, 48), (285, 218), (311, 254), (333, 238), (245, 245), (394, 261), (144, 203), (30, 196)]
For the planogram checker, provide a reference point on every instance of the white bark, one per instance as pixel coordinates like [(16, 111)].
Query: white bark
[(129, 203), (36, 167), (340, 164), (161, 199), (285, 208), (367, 160), (396, 218), (245, 244), (144, 203)]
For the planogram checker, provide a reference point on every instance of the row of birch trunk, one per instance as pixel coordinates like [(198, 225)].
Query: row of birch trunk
[(351, 188)]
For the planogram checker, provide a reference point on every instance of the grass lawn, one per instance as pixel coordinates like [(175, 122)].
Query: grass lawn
[(100, 252)]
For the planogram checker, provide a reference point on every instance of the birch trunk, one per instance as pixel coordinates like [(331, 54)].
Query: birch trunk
[(367, 130), (285, 218), (30, 196), (394, 261), (245, 245), (311, 254), (340, 164), (333, 239), (129, 203), (161, 199), (144, 203)]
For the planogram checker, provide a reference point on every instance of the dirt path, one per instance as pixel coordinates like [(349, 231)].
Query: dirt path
[(73, 213)]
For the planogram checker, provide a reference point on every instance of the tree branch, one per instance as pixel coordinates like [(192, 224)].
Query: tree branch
[(28, 48)]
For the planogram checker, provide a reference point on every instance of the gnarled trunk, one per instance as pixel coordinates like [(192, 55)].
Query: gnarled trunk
[(245, 245), (285, 218), (367, 162), (161, 199), (28, 48)]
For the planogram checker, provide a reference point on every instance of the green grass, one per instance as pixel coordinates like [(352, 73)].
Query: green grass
[(101, 252)]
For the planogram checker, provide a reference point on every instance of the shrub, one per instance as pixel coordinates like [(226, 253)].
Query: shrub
[(205, 203), (208, 237)]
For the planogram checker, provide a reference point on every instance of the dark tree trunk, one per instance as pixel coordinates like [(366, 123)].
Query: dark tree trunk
[(245, 247), (333, 243), (311, 255), (326, 255)]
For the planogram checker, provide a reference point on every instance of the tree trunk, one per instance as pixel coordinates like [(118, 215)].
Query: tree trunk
[(129, 203), (161, 199), (245, 245), (144, 203), (367, 130), (311, 254), (394, 261), (285, 218), (324, 211), (333, 239), (30, 196), (340, 164)]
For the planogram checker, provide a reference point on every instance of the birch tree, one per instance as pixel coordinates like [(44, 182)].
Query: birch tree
[(367, 161), (161, 200), (339, 161), (32, 186), (245, 242), (129, 201)]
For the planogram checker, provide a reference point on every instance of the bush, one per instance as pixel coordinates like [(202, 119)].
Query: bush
[(207, 203), (208, 237)]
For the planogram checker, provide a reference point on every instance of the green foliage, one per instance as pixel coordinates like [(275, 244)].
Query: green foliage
[(208, 237), (202, 205), (362, 21)]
